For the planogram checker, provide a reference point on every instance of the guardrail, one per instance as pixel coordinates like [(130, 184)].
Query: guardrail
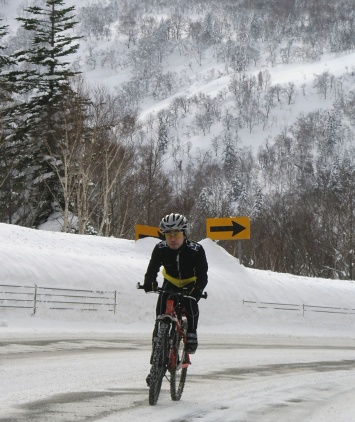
[(296, 307), (35, 297)]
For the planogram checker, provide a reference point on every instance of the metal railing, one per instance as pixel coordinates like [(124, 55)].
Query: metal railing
[(296, 307), (35, 297)]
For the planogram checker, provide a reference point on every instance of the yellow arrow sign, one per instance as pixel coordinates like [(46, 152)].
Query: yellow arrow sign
[(148, 231), (235, 228)]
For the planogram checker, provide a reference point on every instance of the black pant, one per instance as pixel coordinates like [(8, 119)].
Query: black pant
[(190, 306)]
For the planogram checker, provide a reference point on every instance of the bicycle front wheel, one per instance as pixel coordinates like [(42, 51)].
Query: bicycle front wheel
[(179, 371), (159, 363)]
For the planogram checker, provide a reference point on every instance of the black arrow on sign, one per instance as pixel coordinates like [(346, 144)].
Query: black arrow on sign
[(235, 228)]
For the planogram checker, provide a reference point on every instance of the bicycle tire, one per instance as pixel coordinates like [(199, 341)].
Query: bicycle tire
[(178, 373), (159, 363)]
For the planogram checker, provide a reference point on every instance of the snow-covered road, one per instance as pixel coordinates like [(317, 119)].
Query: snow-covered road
[(232, 378)]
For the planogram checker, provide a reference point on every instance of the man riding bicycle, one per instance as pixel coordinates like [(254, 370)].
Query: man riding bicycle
[(185, 266)]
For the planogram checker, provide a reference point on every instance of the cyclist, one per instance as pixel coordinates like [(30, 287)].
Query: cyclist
[(185, 266)]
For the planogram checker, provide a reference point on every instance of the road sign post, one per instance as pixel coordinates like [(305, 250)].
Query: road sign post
[(240, 252)]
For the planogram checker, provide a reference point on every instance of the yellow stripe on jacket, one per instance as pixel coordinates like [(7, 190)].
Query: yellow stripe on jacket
[(177, 281)]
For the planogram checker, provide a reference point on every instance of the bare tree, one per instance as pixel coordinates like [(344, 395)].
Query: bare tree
[(322, 83), (128, 26), (289, 91), (108, 155), (154, 188)]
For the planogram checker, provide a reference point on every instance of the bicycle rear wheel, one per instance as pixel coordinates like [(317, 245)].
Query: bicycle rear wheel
[(179, 372), (159, 363)]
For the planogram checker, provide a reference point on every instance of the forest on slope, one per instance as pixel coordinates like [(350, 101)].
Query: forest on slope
[(190, 120)]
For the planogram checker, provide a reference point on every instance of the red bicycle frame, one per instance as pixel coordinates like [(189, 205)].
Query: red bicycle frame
[(171, 314)]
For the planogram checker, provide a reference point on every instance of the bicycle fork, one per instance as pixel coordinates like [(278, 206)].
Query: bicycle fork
[(176, 331)]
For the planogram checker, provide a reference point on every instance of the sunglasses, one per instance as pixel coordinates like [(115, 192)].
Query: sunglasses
[(169, 235)]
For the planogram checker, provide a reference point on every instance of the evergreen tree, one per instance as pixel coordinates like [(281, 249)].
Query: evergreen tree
[(42, 80), (208, 26), (229, 154), (238, 188), (256, 28), (4, 59), (239, 196), (7, 157), (50, 47), (163, 135), (6, 87), (258, 203), (332, 131), (212, 29), (334, 182)]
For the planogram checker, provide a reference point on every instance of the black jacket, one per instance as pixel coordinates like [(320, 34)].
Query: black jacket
[(182, 266)]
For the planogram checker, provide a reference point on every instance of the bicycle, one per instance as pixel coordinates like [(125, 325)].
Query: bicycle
[(169, 352)]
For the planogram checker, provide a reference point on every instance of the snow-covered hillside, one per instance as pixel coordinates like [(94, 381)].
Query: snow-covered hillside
[(53, 259), (208, 77)]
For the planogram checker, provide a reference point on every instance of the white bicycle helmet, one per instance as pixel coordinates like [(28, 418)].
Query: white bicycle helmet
[(173, 222)]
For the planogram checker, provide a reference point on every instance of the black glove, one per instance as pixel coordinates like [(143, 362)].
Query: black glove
[(195, 292), (150, 286)]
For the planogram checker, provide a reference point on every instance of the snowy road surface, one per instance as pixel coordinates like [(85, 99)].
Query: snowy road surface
[(232, 378)]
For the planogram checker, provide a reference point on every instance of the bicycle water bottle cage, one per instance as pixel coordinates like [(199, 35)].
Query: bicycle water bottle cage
[(167, 318)]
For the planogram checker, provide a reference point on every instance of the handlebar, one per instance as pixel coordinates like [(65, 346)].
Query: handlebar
[(161, 290)]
